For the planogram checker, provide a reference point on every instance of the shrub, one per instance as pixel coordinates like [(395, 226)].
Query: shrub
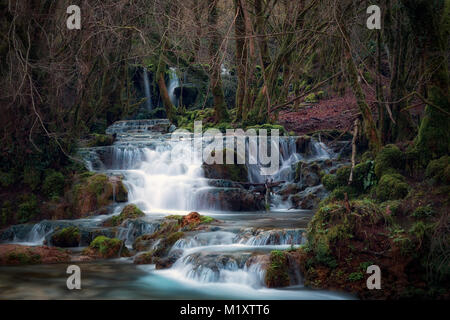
[(53, 185), (28, 209), (392, 187), (388, 160), (423, 212)]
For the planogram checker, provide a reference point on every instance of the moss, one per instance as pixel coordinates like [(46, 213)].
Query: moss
[(97, 184), (27, 209), (342, 175), (107, 247), (439, 170), (355, 276), (131, 211), (392, 187), (367, 156), (269, 127), (206, 219), (364, 176), (23, 258), (339, 193), (311, 98), (66, 238), (388, 160), (277, 273), (53, 184)]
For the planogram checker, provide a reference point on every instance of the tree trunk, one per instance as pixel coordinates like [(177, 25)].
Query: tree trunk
[(220, 107), (431, 27)]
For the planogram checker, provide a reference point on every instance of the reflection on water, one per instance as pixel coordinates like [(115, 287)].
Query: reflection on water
[(119, 280)]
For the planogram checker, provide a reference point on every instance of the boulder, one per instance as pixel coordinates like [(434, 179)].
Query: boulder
[(131, 211), (104, 247)]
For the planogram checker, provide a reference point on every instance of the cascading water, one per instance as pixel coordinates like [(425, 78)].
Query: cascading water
[(225, 261), (174, 83), (148, 102)]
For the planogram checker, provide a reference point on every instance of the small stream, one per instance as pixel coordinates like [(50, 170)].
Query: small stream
[(222, 262)]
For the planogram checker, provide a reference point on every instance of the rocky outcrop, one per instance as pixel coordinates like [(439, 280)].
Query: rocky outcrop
[(92, 192), (12, 254), (66, 238)]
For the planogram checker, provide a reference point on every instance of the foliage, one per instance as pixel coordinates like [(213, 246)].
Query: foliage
[(388, 160)]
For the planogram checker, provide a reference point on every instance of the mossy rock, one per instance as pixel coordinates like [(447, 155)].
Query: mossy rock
[(277, 274), (94, 191), (388, 160), (105, 247), (131, 211), (392, 187), (439, 170), (339, 193), (66, 238), (343, 175)]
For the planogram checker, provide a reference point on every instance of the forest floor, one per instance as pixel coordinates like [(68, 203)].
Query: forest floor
[(333, 113)]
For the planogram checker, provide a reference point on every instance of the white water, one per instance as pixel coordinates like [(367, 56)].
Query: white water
[(174, 83), (147, 90)]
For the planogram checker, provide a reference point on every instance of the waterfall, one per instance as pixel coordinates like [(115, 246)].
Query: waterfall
[(174, 83), (147, 90)]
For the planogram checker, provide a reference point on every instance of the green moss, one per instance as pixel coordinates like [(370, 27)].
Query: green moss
[(388, 160), (392, 187), (311, 98), (355, 276), (131, 211), (97, 184), (339, 193), (66, 238), (329, 181), (342, 175), (53, 184), (206, 219), (108, 248), (364, 176), (24, 258), (439, 170), (277, 273)]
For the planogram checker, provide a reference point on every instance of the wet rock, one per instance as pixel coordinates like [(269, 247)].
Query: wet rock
[(303, 144), (12, 254), (66, 238), (310, 198), (233, 199)]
